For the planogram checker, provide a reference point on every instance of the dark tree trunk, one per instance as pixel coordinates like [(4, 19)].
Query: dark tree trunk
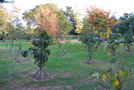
[(12, 45), (18, 51), (40, 74), (128, 48)]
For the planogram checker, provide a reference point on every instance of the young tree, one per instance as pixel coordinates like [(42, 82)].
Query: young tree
[(128, 40), (40, 52), (64, 27), (90, 40), (113, 42), (18, 33)]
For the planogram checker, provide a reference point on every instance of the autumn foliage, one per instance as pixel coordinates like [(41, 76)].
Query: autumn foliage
[(46, 19), (43, 16), (100, 21)]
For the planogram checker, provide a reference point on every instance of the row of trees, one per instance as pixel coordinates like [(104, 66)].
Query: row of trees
[(51, 22), (99, 26), (71, 18)]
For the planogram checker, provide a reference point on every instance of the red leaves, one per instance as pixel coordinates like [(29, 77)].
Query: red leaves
[(100, 20)]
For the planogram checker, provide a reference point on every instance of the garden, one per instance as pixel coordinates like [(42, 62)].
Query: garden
[(57, 50)]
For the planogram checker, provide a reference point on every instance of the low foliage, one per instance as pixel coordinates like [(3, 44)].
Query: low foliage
[(114, 76)]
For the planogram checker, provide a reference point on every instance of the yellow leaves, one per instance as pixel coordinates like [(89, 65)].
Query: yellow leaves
[(121, 73), (116, 83), (104, 77), (109, 31), (79, 25), (105, 35)]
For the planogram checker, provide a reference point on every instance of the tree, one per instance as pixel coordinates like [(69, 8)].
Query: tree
[(128, 40), (71, 17), (100, 22), (43, 16), (46, 18), (4, 22), (6, 1), (40, 52), (79, 25), (90, 40), (18, 33), (50, 19), (15, 21), (127, 23), (64, 27), (126, 28), (85, 28), (113, 42), (1, 1)]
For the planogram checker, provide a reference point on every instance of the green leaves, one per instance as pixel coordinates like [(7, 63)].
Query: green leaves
[(40, 50), (24, 53), (90, 40)]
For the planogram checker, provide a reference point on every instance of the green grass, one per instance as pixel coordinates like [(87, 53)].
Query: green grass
[(68, 71)]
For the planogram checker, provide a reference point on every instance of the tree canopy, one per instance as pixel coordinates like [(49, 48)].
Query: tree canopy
[(49, 18), (100, 21), (4, 20)]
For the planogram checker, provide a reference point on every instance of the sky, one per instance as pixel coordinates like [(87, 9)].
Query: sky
[(117, 7)]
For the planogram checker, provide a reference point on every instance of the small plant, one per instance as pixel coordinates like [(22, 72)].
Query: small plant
[(40, 52), (91, 44), (114, 76)]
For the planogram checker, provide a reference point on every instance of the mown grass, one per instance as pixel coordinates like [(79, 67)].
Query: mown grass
[(69, 72)]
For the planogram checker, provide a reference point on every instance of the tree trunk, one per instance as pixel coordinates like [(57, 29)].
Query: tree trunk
[(40, 74), (12, 44), (128, 48), (18, 51)]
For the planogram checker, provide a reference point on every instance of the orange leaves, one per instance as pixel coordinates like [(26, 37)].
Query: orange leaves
[(100, 20), (46, 19)]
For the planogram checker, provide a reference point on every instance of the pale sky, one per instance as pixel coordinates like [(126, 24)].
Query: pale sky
[(118, 7)]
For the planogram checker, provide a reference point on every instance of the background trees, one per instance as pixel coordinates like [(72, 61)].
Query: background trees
[(126, 28), (100, 21), (5, 22), (71, 17), (50, 19), (44, 17)]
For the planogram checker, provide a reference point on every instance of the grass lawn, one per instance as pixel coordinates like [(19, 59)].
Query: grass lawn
[(69, 72)]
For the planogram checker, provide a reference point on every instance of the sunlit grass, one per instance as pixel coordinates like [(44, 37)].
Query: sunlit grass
[(68, 71)]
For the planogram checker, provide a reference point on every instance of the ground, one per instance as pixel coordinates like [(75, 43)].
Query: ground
[(69, 72)]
